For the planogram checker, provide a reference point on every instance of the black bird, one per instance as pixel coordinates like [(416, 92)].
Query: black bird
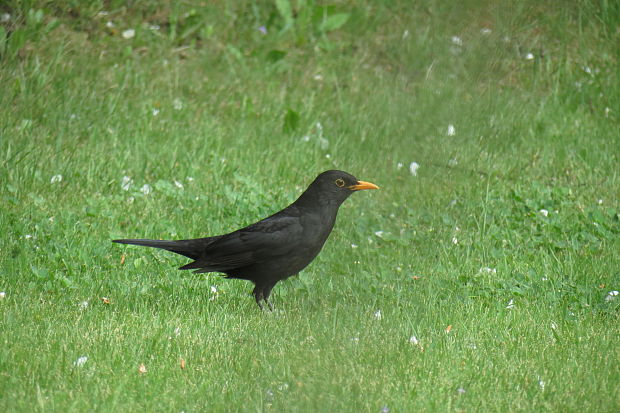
[(276, 247)]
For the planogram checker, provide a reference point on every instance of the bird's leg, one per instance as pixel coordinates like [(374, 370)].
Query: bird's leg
[(266, 294), (258, 296)]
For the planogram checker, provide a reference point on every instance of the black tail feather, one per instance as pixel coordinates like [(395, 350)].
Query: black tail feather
[(191, 248)]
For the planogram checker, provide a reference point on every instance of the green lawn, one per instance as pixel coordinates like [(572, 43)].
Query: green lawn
[(484, 282)]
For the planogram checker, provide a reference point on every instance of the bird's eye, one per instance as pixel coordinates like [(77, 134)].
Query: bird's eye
[(339, 182)]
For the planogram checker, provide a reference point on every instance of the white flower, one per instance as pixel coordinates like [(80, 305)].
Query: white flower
[(353, 246), (488, 270), (190, 179), (554, 326), (460, 390), (5, 17), (452, 162), (328, 156), (154, 27), (80, 361), (109, 25), (385, 409), (379, 234), (600, 202), (611, 295), (529, 56), (355, 340), (485, 31), (28, 236), (318, 77), (305, 138), (155, 112), (146, 189), (510, 305), (178, 184), (544, 212), (2, 295), (413, 340), (413, 168), (214, 289), (455, 240), (457, 40), (378, 315), (83, 304), (399, 165), (451, 130), (126, 183), (177, 104), (177, 331), (56, 179), (128, 34), (405, 34), (541, 383)]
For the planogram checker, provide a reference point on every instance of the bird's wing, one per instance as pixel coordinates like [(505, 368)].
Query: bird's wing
[(272, 237)]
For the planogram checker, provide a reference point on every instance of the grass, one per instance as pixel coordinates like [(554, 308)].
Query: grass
[(509, 233)]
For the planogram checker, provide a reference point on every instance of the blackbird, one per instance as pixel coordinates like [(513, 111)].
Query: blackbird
[(276, 247)]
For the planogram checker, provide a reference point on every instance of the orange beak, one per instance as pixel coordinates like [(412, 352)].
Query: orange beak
[(363, 185)]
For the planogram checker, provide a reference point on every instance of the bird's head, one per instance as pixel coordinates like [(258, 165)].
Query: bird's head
[(335, 186)]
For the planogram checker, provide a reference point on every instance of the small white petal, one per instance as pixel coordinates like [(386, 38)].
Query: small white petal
[(56, 179), (378, 315), (399, 165), (413, 340), (405, 34), (379, 234), (155, 112), (510, 305), (128, 34), (318, 77), (529, 56), (413, 168), (305, 138), (611, 295), (177, 104), (109, 24), (554, 326), (485, 31), (353, 246), (544, 212), (2, 295), (214, 289), (455, 240), (457, 41), (83, 304), (178, 184), (146, 189), (488, 270), (80, 361), (126, 183), (451, 130), (460, 390)]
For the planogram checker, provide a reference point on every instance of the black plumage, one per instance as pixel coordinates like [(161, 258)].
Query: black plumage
[(276, 247)]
